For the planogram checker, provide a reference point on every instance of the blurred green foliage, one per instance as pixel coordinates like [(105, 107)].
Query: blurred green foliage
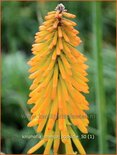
[(20, 21)]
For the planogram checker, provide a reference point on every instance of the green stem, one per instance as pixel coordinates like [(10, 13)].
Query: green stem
[(100, 95)]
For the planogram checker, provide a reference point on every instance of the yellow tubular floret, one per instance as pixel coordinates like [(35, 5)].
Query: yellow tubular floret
[(68, 147), (59, 95), (55, 24), (42, 120), (64, 132), (69, 21), (55, 77), (65, 61), (33, 122), (76, 141), (65, 37), (68, 15), (64, 104), (52, 117), (60, 44), (50, 16), (49, 144), (59, 32), (61, 69), (48, 22), (56, 139), (37, 146), (54, 39), (64, 89)]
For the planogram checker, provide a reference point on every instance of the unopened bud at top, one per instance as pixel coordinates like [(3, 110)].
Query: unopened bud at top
[(60, 7)]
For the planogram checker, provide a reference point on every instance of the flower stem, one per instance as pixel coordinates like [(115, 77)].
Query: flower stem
[(100, 94)]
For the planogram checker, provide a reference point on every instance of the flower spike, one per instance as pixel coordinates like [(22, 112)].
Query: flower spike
[(58, 71)]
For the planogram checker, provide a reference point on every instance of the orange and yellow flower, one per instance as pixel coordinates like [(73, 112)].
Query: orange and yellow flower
[(59, 79)]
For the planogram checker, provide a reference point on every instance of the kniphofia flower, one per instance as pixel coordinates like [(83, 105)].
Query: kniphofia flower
[(59, 79)]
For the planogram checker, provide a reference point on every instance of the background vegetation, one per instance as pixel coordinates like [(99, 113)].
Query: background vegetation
[(20, 21)]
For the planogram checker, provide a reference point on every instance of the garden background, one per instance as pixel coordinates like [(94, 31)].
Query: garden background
[(97, 26)]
